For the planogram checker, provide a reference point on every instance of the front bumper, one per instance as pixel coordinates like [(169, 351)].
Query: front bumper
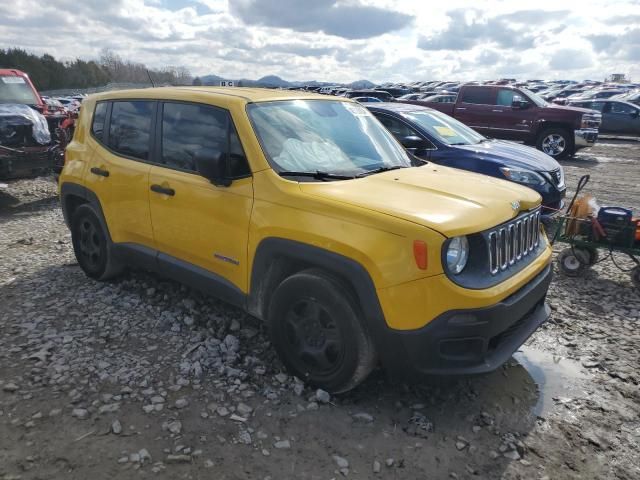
[(470, 341), (585, 137), (16, 163)]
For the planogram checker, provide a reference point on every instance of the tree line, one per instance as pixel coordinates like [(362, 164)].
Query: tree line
[(47, 73)]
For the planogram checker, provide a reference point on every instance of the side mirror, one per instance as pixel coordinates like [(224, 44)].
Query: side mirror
[(635, 114), (212, 165), (414, 142), (519, 104)]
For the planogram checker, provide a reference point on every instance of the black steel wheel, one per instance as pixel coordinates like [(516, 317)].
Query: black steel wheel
[(316, 329), (635, 276), (91, 245)]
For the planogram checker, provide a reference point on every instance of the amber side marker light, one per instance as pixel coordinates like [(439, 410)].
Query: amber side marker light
[(420, 254)]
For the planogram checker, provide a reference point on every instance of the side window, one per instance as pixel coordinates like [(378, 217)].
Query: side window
[(505, 97), (130, 128), (99, 116), (621, 108), (477, 95), (595, 106), (189, 130), (238, 166), (398, 129)]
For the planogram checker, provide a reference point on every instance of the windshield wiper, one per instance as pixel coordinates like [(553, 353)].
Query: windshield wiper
[(379, 170), (318, 174)]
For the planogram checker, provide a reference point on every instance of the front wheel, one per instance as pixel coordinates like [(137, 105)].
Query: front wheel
[(635, 276), (318, 332), (556, 142)]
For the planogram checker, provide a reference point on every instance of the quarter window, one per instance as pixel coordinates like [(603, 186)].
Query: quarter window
[(99, 116), (475, 95), (130, 128)]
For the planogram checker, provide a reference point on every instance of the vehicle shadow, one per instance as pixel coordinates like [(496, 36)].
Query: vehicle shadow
[(11, 206)]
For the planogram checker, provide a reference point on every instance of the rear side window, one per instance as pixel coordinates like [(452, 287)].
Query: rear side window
[(189, 130), (479, 96), (99, 117), (130, 128)]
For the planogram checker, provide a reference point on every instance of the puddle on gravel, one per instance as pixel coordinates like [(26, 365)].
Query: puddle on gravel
[(555, 376)]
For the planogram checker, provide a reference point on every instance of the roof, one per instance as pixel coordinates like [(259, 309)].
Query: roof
[(228, 94), (398, 107)]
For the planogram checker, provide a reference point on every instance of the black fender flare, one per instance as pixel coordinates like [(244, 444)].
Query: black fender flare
[(69, 189), (271, 249)]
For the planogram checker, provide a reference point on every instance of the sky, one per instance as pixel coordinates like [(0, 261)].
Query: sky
[(341, 40)]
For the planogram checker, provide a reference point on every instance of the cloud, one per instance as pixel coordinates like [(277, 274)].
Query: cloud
[(570, 59), (467, 28), (625, 46), (348, 20)]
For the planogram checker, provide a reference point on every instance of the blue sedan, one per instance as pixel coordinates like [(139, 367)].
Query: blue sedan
[(438, 138)]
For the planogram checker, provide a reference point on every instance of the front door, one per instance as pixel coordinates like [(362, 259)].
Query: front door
[(508, 122), (118, 172), (621, 118), (197, 226)]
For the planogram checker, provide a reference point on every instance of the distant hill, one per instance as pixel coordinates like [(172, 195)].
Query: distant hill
[(273, 81)]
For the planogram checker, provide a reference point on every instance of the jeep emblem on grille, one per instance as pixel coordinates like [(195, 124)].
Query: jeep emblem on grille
[(515, 206)]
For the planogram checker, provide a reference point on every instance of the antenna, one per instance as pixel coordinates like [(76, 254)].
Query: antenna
[(150, 79)]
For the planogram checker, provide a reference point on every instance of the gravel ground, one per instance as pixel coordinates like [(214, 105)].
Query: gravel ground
[(143, 378)]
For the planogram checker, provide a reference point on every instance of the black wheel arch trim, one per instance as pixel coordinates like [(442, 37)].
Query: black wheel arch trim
[(69, 189), (273, 248)]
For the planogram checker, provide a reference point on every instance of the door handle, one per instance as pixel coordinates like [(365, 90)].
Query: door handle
[(164, 190), (100, 172), (497, 111), (461, 108)]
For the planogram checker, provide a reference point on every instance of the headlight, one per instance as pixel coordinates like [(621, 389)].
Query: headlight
[(457, 254), (528, 177)]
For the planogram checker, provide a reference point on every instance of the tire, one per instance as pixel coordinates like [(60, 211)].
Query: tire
[(556, 142), (92, 246), (573, 261), (635, 277), (317, 330)]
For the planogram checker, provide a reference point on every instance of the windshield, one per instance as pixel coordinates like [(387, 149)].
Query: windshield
[(15, 89), (324, 135), (444, 128), (535, 98)]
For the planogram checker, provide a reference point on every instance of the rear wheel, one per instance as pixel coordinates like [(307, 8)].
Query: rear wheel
[(91, 245), (317, 330), (556, 142)]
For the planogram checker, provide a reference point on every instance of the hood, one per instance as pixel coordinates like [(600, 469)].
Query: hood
[(450, 201), (512, 154), (571, 108)]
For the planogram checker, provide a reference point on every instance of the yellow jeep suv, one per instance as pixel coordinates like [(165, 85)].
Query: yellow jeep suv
[(304, 211)]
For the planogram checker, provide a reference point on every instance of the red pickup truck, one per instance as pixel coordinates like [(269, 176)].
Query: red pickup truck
[(511, 113)]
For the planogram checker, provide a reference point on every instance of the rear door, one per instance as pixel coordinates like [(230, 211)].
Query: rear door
[(197, 226), (474, 103), (118, 172)]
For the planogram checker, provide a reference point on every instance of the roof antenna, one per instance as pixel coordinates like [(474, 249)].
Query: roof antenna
[(150, 79)]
